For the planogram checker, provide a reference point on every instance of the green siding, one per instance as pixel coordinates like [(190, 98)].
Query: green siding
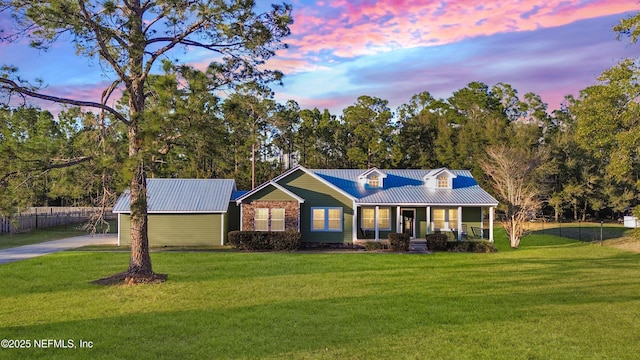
[(124, 232), (233, 217), (471, 217), (178, 229), (318, 194), (270, 193)]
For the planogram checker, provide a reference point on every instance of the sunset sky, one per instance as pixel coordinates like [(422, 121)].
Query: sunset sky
[(393, 49)]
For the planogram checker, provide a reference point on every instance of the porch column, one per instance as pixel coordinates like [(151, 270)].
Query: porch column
[(491, 209), (398, 219), (375, 220), (119, 227), (354, 222), (222, 229), (459, 223), (428, 220)]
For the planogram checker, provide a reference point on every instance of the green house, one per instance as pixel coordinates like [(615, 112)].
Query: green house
[(184, 212), (350, 205), (325, 205)]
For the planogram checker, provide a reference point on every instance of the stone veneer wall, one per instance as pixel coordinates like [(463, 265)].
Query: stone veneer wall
[(291, 213)]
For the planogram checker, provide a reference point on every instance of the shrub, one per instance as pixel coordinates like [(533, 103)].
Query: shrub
[(474, 246), (437, 242), (372, 245), (265, 240), (482, 246), (286, 241), (399, 241)]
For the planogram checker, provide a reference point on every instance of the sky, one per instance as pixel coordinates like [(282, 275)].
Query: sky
[(394, 49)]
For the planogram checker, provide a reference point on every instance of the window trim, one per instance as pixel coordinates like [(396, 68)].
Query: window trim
[(255, 219), (284, 219), (374, 225), (447, 224), (442, 181), (269, 218), (374, 181), (326, 219)]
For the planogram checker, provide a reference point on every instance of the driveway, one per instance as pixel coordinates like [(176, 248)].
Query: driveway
[(49, 247)]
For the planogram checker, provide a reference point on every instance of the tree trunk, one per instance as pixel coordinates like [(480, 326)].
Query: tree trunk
[(253, 166), (514, 238), (140, 261)]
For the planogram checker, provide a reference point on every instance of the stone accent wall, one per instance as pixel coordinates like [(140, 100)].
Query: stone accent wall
[(291, 213)]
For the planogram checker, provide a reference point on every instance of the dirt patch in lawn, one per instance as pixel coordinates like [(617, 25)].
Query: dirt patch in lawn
[(125, 278)]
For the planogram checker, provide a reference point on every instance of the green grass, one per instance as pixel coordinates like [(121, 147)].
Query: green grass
[(48, 234), (553, 298)]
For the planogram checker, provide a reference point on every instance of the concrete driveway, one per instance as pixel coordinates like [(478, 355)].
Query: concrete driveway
[(49, 247)]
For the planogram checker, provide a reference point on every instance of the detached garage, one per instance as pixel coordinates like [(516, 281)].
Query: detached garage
[(184, 212)]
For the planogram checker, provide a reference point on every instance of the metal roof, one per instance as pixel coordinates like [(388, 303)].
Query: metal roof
[(184, 196), (408, 187)]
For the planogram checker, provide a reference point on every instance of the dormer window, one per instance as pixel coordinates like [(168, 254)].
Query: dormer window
[(443, 181), (372, 178), (439, 179), (374, 181)]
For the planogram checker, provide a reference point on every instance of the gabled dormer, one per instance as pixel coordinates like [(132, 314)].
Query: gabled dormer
[(439, 179), (372, 178)]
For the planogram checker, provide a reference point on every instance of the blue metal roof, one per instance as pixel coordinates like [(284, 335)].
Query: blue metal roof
[(408, 187), (184, 196)]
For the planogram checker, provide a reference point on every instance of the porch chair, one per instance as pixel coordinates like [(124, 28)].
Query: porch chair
[(478, 233), (365, 233)]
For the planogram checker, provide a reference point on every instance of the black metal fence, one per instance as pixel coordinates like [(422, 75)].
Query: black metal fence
[(45, 217)]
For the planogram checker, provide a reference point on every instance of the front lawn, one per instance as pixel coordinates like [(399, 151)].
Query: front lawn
[(552, 298)]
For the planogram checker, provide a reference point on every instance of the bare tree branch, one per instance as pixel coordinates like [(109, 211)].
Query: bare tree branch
[(12, 86)]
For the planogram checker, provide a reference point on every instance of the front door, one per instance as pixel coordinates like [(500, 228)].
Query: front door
[(408, 222)]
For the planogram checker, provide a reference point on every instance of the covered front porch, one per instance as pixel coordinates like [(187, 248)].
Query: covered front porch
[(375, 222)]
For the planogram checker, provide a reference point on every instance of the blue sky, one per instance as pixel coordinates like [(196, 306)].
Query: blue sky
[(393, 49)]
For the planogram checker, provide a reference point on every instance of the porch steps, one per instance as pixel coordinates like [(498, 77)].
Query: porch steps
[(419, 246)]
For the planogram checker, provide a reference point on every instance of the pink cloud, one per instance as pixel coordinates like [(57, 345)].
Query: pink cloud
[(352, 28)]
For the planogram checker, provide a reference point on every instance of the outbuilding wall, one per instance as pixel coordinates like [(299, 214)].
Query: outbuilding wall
[(179, 229)]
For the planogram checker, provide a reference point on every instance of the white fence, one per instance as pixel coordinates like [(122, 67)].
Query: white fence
[(44, 217)]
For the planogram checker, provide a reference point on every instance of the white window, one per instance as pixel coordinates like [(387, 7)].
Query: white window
[(443, 181), (368, 218), (277, 219), (438, 219), (262, 221), (384, 218), (374, 181), (445, 218), (326, 219)]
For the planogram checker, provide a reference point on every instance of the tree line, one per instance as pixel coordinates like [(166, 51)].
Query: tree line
[(590, 145)]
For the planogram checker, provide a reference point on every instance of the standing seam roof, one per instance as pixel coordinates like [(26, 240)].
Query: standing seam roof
[(407, 187), (184, 195)]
